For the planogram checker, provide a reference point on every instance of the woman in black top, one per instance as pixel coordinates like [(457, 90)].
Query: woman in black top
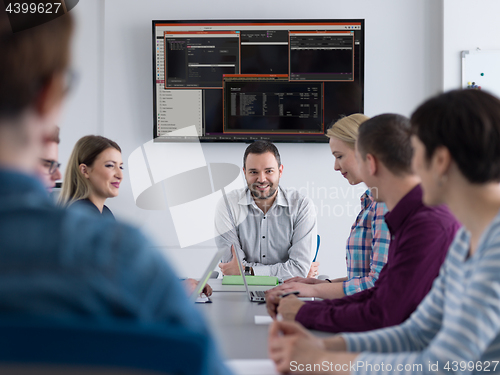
[(94, 174)]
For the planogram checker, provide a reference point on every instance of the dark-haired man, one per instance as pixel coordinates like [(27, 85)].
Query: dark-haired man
[(273, 228), (420, 237), (57, 263)]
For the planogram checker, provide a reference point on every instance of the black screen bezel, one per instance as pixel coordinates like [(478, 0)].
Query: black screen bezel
[(239, 138)]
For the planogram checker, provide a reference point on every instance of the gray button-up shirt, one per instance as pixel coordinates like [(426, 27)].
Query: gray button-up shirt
[(280, 243)]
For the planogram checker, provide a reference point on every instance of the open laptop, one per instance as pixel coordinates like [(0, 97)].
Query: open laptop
[(254, 296), (204, 279)]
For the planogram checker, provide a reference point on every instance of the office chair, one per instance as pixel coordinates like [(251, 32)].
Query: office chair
[(43, 346), (318, 242)]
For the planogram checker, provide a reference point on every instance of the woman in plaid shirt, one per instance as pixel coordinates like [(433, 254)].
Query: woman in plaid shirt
[(368, 242)]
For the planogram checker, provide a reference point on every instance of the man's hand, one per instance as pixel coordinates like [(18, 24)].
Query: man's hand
[(190, 285), (207, 290), (306, 290), (289, 341), (272, 302), (313, 271), (231, 267), (304, 280), (289, 307)]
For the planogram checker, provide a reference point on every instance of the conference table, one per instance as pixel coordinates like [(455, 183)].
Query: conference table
[(231, 317)]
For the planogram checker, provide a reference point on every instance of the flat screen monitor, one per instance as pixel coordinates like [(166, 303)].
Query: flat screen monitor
[(244, 80)]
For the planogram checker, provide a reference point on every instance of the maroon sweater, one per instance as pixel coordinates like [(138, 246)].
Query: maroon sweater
[(420, 237)]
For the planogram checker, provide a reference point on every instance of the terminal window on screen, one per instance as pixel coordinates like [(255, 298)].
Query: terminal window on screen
[(248, 81)]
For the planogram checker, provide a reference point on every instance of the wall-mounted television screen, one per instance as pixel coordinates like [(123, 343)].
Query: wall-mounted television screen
[(243, 80)]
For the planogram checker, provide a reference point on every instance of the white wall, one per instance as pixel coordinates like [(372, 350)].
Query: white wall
[(83, 111), (468, 24), (113, 54)]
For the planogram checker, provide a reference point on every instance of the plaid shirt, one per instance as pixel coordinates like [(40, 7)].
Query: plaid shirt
[(367, 246)]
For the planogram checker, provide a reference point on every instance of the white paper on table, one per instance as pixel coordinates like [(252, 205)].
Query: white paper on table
[(263, 319), (201, 299), (252, 367)]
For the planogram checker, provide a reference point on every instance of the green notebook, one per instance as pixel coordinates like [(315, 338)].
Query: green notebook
[(251, 280)]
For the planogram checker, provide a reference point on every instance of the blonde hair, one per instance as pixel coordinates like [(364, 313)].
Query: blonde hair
[(346, 129), (87, 149)]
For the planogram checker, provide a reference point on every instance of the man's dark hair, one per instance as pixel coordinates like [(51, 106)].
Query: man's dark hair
[(387, 137), (467, 123), (28, 59), (261, 147)]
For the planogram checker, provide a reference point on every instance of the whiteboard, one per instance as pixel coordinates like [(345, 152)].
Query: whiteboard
[(482, 68)]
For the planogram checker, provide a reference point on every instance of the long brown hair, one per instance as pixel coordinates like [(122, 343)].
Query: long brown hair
[(86, 150)]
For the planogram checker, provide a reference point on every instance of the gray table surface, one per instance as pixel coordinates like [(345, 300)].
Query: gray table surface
[(231, 318)]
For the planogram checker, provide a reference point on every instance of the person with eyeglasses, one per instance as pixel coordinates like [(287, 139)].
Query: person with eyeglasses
[(58, 264), (48, 167), (94, 174)]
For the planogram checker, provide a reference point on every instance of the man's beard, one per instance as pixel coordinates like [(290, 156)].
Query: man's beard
[(258, 195)]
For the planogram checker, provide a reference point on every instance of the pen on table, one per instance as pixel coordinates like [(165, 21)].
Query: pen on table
[(295, 292)]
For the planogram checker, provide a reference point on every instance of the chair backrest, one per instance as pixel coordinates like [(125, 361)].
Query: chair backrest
[(318, 241), (86, 346)]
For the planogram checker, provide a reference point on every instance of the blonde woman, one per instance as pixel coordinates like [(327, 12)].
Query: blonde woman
[(456, 328), (368, 242), (94, 174)]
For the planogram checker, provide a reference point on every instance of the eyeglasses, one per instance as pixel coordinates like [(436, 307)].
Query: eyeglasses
[(52, 165)]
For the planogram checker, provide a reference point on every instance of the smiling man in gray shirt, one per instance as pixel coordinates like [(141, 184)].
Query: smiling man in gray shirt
[(273, 228)]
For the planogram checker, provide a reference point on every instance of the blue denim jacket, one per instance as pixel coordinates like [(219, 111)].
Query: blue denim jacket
[(65, 263)]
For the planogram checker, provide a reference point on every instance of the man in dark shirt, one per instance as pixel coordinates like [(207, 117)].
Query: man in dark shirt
[(420, 237)]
